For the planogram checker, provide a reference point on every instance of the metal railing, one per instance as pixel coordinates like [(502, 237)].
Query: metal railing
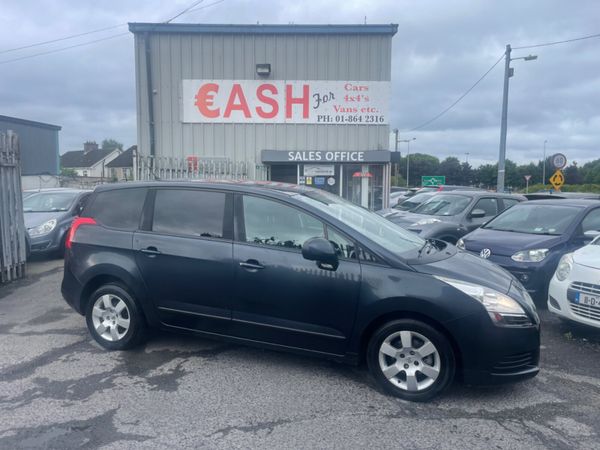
[(196, 168), (12, 227)]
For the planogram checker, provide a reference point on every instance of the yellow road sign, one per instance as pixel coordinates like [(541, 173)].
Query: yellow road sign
[(557, 180)]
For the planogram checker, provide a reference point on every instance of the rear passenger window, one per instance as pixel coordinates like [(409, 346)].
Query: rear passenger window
[(189, 213), (119, 208)]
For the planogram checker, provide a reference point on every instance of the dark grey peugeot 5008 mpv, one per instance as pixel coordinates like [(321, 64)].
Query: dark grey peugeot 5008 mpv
[(297, 269)]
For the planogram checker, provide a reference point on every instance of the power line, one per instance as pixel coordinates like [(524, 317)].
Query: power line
[(6, 61), (434, 118), (37, 44), (184, 11), (546, 44), (192, 7)]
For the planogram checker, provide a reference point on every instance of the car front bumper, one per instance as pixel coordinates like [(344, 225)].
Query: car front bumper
[(491, 354), (562, 295)]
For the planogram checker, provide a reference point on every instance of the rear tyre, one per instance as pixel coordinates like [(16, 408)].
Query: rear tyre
[(114, 319), (411, 360)]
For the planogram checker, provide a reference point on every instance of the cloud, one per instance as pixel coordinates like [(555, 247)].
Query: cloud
[(441, 49)]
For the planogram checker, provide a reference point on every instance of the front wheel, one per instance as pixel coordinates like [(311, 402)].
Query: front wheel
[(114, 319), (411, 359)]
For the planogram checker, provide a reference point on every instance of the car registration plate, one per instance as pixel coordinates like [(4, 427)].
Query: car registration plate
[(585, 299)]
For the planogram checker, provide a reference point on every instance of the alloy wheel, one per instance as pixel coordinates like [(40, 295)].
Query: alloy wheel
[(409, 360), (111, 317)]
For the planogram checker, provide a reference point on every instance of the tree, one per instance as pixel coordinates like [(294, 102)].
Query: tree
[(573, 175), (111, 144), (420, 164), (451, 169)]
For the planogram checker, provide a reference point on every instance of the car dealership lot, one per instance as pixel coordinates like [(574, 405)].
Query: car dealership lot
[(59, 389)]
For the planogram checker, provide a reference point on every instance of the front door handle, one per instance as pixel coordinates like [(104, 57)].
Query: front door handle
[(251, 264), (151, 251)]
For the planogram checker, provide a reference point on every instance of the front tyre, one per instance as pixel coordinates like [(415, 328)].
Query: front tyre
[(411, 360), (114, 319)]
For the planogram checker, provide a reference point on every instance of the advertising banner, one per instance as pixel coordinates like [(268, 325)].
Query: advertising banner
[(279, 101)]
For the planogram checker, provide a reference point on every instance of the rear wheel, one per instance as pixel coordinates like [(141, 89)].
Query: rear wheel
[(411, 360), (114, 319)]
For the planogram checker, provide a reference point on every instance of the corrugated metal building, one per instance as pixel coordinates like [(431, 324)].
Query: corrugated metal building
[(38, 143), (272, 96)]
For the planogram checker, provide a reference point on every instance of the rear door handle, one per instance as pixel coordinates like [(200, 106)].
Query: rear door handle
[(152, 251), (251, 264)]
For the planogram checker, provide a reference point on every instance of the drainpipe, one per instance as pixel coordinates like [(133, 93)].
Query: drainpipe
[(150, 95)]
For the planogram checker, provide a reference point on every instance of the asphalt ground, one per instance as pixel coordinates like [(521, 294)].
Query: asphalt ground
[(58, 389)]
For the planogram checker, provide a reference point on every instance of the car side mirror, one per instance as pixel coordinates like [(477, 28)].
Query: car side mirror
[(322, 251), (477, 214)]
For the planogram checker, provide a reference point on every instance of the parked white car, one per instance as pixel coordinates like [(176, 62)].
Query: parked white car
[(574, 292)]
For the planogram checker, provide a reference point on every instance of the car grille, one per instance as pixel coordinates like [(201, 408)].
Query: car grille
[(586, 311), (586, 288), (516, 363)]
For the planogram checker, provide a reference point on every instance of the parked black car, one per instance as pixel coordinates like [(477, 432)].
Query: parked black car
[(449, 216), (297, 269), (406, 205), (529, 239), (48, 217)]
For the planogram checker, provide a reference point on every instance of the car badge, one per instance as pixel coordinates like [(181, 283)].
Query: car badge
[(485, 253)]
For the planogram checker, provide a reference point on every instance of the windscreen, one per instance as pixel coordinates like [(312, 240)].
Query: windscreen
[(443, 205), (49, 201), (414, 201), (367, 223), (535, 219)]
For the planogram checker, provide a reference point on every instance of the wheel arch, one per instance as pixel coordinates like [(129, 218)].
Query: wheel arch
[(386, 317), (107, 274)]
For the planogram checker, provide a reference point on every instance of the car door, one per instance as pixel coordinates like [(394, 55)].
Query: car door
[(489, 205), (282, 298), (184, 253)]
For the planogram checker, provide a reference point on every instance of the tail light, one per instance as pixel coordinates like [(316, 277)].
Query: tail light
[(79, 221)]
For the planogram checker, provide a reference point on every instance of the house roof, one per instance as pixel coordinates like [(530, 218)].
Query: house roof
[(79, 158), (386, 29), (29, 122), (125, 159)]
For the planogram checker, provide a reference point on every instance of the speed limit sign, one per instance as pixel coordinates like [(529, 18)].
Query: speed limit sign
[(559, 161)]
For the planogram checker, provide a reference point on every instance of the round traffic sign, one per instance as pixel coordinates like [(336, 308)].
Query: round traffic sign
[(559, 161)]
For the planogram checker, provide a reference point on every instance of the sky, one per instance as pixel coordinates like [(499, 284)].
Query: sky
[(442, 47)]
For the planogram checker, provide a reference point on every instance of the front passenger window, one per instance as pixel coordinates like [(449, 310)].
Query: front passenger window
[(343, 247), (272, 223), (489, 205), (591, 221)]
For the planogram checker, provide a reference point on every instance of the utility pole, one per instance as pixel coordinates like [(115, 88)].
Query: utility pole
[(508, 72), (544, 166), (408, 141)]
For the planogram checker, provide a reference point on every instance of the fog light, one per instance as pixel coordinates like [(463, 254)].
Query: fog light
[(553, 302), (524, 277)]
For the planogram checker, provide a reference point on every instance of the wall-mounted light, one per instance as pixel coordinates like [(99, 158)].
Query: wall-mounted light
[(263, 70)]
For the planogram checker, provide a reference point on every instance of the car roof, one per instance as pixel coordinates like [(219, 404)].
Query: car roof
[(481, 193), (285, 189), (578, 202), (55, 190)]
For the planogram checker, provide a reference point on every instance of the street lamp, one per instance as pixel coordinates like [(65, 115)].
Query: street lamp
[(408, 141), (467, 157), (544, 166), (508, 72)]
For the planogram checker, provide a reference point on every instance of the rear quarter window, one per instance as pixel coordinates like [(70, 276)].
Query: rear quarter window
[(119, 208)]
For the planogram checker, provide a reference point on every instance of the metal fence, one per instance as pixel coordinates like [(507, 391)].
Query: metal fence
[(196, 168), (12, 227)]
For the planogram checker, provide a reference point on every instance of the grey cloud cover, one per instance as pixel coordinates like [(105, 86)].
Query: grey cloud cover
[(442, 47)]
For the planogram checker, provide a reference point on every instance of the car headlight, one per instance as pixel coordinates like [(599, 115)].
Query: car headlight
[(460, 244), (425, 222), (564, 267), (42, 229), (535, 255), (502, 309)]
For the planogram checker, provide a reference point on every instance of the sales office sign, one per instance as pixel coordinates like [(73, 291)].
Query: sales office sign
[(279, 101)]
